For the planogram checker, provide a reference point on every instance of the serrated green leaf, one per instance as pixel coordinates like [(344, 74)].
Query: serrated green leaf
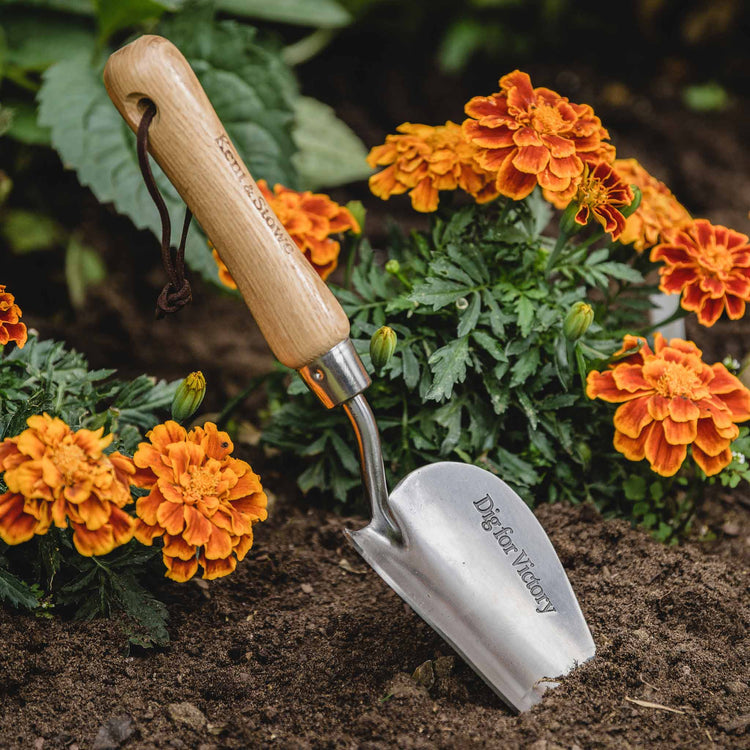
[(448, 365), (410, 366), (321, 13), (469, 317), (16, 592), (524, 367), (490, 344), (437, 292), (329, 153), (621, 271), (525, 311)]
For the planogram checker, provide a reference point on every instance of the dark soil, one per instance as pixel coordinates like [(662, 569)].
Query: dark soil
[(305, 647)]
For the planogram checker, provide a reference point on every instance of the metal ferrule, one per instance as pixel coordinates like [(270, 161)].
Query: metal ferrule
[(337, 375)]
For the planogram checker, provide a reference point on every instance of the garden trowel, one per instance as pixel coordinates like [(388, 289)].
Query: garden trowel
[(454, 541)]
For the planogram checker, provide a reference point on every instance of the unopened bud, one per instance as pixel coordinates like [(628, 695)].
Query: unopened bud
[(382, 346), (633, 207), (393, 266), (577, 321), (188, 396)]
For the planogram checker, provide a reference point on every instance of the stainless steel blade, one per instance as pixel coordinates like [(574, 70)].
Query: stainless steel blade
[(477, 566)]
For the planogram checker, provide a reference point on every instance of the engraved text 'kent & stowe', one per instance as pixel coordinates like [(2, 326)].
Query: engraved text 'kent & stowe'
[(268, 216)]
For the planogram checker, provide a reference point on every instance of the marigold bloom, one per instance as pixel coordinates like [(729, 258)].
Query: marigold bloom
[(658, 210), (310, 219), (10, 315), (671, 399), (529, 136), (710, 265), (202, 501), (599, 191), (56, 475), (425, 160)]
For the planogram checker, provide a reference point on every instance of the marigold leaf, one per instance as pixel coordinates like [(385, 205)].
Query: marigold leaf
[(524, 367), (448, 365), (468, 319), (525, 311), (437, 292), (16, 592)]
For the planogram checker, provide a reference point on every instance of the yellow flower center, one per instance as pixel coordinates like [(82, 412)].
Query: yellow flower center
[(200, 484), (678, 380), (546, 118), (716, 259), (68, 458), (591, 192)]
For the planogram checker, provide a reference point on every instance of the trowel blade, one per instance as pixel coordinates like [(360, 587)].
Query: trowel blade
[(478, 567)]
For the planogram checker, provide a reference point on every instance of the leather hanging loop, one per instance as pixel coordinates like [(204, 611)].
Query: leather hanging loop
[(176, 292)]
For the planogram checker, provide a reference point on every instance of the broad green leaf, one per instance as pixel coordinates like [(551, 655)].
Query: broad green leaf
[(83, 267), (27, 231), (329, 153), (115, 15), (34, 44), (320, 13), (448, 365), (79, 7), (250, 88)]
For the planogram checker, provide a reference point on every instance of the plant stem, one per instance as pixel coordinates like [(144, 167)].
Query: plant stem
[(229, 409)]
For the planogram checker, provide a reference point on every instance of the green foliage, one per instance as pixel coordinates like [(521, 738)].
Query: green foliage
[(483, 372), (739, 469), (59, 55), (44, 376), (321, 13), (329, 153), (103, 586)]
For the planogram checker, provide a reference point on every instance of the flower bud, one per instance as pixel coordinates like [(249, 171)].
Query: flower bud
[(188, 396), (577, 321), (382, 346), (636, 202), (392, 266)]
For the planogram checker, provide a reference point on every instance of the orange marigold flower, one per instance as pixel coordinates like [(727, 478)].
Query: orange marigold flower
[(425, 160), (224, 276), (671, 399), (529, 136), (658, 210), (56, 475), (310, 219), (201, 501), (10, 315), (600, 191), (710, 264)]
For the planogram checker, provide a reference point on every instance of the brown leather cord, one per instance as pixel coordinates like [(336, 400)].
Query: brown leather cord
[(176, 292)]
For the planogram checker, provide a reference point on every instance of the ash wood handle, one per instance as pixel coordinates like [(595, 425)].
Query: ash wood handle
[(296, 312)]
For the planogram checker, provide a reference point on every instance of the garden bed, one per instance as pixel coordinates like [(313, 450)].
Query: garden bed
[(304, 646)]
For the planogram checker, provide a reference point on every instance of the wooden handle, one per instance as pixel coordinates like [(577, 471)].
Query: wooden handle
[(296, 312)]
